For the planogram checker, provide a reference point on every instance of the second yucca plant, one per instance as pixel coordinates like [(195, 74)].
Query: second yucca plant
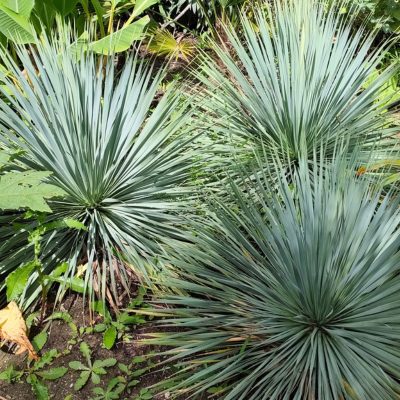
[(296, 79), (295, 299)]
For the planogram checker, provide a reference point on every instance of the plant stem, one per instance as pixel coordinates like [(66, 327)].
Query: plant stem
[(111, 20), (41, 276)]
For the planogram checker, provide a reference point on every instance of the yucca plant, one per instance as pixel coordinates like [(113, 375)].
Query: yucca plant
[(296, 80), (296, 299), (122, 157)]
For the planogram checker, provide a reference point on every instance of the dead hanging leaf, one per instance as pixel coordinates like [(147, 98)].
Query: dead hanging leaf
[(361, 171), (13, 329)]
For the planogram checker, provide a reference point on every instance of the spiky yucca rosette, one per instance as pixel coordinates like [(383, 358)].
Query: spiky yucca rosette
[(295, 299), (123, 158)]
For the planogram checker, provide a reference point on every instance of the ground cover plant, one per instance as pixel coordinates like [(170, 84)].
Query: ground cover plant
[(199, 199)]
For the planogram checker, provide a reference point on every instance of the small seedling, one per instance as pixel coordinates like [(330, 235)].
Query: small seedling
[(144, 394), (92, 370), (11, 375), (35, 373), (17, 280), (118, 328), (114, 388)]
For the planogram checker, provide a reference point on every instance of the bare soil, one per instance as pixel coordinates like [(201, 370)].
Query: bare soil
[(59, 335)]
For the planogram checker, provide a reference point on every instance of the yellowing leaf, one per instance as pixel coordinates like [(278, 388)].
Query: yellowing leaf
[(13, 329)]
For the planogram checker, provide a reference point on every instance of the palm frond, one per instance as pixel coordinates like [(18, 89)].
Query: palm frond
[(163, 43)]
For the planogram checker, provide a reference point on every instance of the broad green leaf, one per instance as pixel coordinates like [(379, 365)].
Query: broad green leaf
[(95, 378), (109, 337), (75, 284), (77, 366), (74, 224), (10, 374), (145, 394), (126, 319), (60, 270), (53, 373), (26, 190), (122, 39), (85, 350), (39, 340), (39, 388), (65, 223), (108, 362), (99, 370), (139, 372), (142, 5), (64, 7), (124, 368), (45, 13), (21, 7), (17, 280), (82, 380), (99, 391), (60, 315), (16, 27), (100, 328), (46, 359), (138, 359)]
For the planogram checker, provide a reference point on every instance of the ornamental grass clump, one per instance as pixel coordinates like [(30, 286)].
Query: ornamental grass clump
[(295, 299)]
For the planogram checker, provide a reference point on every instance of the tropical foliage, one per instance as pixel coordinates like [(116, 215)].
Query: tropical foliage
[(19, 19)]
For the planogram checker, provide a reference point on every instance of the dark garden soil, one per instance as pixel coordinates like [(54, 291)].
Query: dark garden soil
[(59, 336)]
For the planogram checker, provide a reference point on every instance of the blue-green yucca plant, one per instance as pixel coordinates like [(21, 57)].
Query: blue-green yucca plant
[(295, 79), (295, 299), (122, 158)]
